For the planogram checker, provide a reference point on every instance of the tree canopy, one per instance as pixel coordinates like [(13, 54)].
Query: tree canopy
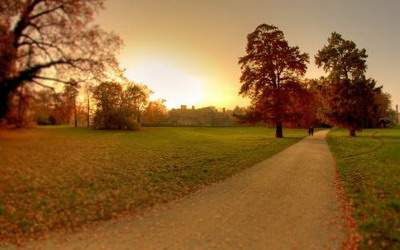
[(341, 58)]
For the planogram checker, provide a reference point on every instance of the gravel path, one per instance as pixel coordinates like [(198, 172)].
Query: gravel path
[(285, 202)]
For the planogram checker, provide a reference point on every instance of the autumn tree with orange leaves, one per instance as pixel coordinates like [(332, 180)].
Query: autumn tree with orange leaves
[(271, 70), (43, 42)]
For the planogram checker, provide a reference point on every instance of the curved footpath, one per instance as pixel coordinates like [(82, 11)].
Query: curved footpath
[(285, 202)]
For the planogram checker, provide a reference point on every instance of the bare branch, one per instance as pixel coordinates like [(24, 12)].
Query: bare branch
[(41, 45), (38, 44), (43, 85), (46, 12), (72, 82), (23, 22)]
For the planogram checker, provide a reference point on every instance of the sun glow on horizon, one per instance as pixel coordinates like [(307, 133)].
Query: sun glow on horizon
[(168, 82)]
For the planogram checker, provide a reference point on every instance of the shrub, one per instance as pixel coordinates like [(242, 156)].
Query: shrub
[(44, 119)]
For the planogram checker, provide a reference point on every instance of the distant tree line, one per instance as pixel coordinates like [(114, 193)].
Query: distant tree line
[(111, 105), (116, 106), (206, 116), (43, 107)]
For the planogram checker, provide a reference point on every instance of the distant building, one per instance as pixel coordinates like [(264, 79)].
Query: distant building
[(206, 116)]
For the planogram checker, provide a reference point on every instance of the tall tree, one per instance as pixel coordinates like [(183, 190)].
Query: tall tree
[(270, 74), (70, 95), (52, 41), (350, 94), (89, 88)]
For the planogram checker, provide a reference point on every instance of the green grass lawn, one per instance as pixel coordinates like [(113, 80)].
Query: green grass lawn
[(61, 177), (370, 168)]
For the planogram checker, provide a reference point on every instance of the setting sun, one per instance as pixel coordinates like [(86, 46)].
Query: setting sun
[(165, 79)]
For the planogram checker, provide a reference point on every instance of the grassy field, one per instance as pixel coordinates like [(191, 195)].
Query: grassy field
[(60, 177), (370, 168)]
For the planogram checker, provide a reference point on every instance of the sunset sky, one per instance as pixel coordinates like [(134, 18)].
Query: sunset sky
[(186, 51)]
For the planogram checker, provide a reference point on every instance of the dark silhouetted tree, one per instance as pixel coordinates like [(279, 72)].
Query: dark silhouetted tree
[(350, 94), (52, 41), (270, 75)]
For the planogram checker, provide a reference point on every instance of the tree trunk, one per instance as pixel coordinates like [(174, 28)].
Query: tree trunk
[(4, 99), (75, 114), (88, 112), (352, 132), (138, 116), (20, 113), (279, 130)]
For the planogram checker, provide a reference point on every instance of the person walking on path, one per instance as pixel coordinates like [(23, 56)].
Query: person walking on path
[(311, 131)]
